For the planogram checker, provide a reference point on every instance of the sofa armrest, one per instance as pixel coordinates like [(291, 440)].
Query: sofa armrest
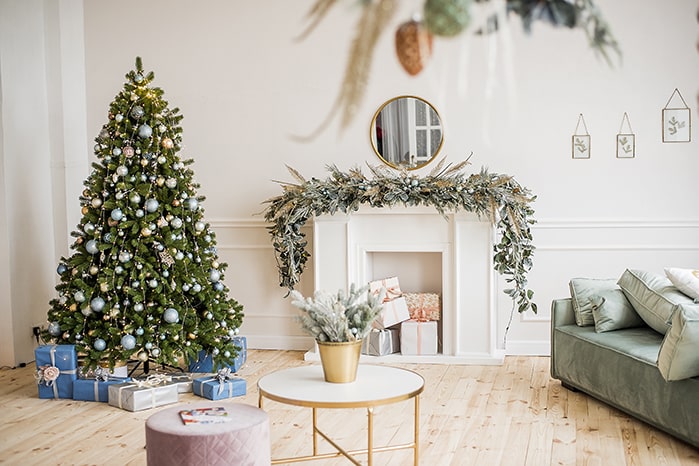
[(562, 312)]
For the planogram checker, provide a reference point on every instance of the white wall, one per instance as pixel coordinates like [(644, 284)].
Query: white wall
[(245, 86), (44, 159)]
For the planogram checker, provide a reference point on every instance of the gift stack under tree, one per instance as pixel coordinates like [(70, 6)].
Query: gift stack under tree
[(409, 322), (59, 375), (144, 282)]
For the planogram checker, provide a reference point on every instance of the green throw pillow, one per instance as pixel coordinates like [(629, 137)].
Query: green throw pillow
[(653, 297), (581, 289), (612, 311), (679, 358)]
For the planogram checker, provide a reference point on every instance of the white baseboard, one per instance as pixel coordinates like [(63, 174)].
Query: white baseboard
[(528, 348)]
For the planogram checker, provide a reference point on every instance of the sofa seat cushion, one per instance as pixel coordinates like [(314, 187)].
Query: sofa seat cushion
[(640, 343), (653, 297), (679, 353)]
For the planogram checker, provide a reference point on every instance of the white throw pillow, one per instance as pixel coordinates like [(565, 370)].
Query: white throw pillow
[(685, 280)]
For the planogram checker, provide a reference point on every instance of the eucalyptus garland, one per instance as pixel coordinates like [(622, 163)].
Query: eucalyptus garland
[(500, 198)]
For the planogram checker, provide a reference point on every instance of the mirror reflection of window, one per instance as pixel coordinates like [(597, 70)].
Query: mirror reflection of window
[(406, 132)]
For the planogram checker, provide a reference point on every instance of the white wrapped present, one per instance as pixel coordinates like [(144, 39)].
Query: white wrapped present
[(418, 337)]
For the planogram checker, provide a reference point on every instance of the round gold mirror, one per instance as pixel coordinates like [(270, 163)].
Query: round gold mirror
[(406, 132)]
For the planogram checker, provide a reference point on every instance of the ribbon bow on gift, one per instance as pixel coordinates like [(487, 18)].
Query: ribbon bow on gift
[(224, 375), (47, 375), (152, 380)]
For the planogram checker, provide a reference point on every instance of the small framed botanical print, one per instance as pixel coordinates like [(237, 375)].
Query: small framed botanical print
[(625, 146), (625, 140), (677, 121)]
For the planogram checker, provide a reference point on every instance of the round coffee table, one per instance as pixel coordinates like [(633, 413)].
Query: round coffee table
[(375, 385)]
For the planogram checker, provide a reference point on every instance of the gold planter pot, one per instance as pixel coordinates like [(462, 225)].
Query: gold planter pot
[(340, 360)]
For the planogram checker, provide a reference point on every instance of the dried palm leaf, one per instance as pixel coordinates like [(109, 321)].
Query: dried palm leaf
[(373, 21), (316, 14)]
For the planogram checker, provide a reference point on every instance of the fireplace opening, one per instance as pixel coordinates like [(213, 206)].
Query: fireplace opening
[(417, 272)]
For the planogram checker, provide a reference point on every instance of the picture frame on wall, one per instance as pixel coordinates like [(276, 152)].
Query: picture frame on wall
[(677, 120), (625, 146), (580, 143), (625, 140)]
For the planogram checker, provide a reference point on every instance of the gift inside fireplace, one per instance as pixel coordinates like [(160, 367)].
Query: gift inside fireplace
[(449, 255)]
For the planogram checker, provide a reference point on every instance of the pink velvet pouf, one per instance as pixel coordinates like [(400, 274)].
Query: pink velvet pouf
[(242, 441)]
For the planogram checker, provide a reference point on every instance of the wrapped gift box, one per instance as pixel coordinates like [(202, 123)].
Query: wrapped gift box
[(418, 337), (391, 284), (394, 312), (205, 362), (183, 382), (95, 389), (214, 388), (423, 306), (381, 342), (140, 395), (56, 370)]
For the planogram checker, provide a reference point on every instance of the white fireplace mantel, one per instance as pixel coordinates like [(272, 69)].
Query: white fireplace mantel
[(343, 250)]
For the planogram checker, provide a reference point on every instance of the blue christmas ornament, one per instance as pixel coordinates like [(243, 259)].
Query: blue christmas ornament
[(97, 304), (152, 205), (91, 247), (124, 257), (61, 269), (99, 344), (54, 329), (192, 204), (214, 275), (176, 223), (128, 342), (79, 296), (218, 286), (170, 315), (116, 152), (122, 170), (145, 131), (116, 214), (139, 331)]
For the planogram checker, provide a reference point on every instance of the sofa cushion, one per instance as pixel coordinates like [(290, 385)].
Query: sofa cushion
[(679, 355), (653, 297), (581, 289), (685, 280), (613, 311)]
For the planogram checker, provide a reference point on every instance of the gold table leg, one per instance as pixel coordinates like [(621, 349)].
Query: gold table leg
[(370, 435)]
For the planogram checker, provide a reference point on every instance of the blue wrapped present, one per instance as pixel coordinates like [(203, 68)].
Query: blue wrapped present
[(219, 386), (56, 370), (205, 362), (96, 388)]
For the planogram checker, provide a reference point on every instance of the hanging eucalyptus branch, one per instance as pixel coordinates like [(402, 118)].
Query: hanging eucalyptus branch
[(446, 188)]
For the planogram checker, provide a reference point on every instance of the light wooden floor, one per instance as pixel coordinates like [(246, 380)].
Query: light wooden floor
[(513, 414)]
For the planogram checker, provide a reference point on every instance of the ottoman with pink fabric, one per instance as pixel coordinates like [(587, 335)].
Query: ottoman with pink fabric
[(244, 440)]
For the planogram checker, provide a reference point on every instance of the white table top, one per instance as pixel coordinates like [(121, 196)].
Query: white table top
[(375, 385)]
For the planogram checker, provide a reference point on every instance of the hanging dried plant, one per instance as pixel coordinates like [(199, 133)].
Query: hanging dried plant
[(375, 16)]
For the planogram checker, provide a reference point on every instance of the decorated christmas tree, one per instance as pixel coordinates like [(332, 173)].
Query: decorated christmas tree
[(144, 281)]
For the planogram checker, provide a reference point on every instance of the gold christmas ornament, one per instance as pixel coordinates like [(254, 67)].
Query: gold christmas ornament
[(85, 210), (413, 46), (73, 307), (167, 143)]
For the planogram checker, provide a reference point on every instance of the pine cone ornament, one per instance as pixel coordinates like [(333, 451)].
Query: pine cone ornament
[(413, 46), (446, 17)]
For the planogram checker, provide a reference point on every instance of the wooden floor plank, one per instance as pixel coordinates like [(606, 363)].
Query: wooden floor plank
[(513, 414)]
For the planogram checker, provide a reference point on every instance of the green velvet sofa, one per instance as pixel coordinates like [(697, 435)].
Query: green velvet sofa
[(620, 368)]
